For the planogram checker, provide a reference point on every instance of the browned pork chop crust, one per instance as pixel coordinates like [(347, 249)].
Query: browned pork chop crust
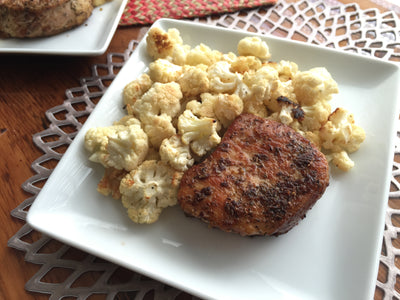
[(261, 179), (37, 18)]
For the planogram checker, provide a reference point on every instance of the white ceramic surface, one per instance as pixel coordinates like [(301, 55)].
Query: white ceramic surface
[(332, 254), (90, 38)]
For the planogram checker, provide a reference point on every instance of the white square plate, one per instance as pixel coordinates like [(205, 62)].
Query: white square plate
[(332, 254), (90, 38)]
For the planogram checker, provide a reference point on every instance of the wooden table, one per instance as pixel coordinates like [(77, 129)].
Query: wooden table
[(30, 85)]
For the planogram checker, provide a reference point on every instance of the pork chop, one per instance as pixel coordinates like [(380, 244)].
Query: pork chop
[(37, 18), (261, 179)]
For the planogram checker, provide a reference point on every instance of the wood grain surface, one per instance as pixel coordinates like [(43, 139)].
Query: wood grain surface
[(30, 85)]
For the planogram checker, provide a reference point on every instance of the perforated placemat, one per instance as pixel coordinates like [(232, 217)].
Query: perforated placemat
[(147, 12), (326, 23)]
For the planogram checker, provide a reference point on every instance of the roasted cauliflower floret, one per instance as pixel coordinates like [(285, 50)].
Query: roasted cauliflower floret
[(340, 133), (289, 111), (230, 57), (134, 90), (315, 115), (222, 80), (313, 86), (226, 107), (177, 154), (255, 106), (279, 89), (243, 91), (203, 108), (202, 54), (286, 69), (251, 102), (161, 98), (158, 128), (148, 189), (109, 184), (194, 80), (121, 146), (164, 71), (200, 133), (341, 160), (161, 44), (243, 64), (179, 54), (255, 90), (260, 83), (253, 46)]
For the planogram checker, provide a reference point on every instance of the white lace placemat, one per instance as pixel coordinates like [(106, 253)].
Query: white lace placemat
[(326, 23)]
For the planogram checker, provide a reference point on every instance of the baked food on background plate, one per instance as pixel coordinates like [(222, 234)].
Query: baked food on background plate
[(40, 18)]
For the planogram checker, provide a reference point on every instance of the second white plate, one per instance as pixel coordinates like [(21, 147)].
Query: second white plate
[(90, 38)]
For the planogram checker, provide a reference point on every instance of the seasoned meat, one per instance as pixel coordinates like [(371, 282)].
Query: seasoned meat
[(36, 18), (261, 179)]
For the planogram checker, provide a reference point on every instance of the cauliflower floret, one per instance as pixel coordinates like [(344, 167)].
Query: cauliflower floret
[(202, 54), (340, 133), (230, 57), (286, 69), (176, 153), (341, 160), (254, 106), (179, 54), (313, 86), (109, 184), (148, 189), (253, 46), (135, 89), (127, 120), (161, 44), (289, 111), (200, 133), (164, 71), (226, 107), (260, 83), (279, 89), (315, 115), (121, 146), (96, 139), (256, 89), (222, 80), (243, 64), (161, 98), (158, 128), (194, 80), (203, 108)]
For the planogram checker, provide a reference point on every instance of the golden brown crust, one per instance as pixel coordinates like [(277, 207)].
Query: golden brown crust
[(261, 179)]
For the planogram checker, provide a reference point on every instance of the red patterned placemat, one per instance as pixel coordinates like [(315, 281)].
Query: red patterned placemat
[(147, 12)]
